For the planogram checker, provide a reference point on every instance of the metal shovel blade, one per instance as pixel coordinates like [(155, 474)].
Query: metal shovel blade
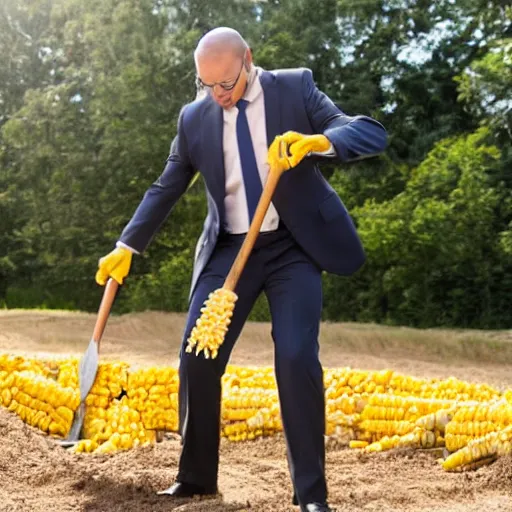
[(76, 428), (87, 370), (88, 366)]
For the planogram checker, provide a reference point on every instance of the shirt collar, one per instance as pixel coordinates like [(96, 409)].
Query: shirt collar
[(254, 88)]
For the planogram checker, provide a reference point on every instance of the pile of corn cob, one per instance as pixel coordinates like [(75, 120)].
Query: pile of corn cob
[(369, 410)]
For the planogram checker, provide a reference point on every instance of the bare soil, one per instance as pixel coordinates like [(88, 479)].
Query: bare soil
[(37, 475)]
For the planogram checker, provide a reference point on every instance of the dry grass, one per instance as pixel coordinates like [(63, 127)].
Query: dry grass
[(426, 344), (160, 334)]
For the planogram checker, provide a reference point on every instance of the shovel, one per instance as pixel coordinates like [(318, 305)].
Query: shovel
[(89, 363)]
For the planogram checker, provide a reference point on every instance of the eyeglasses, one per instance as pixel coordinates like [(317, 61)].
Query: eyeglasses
[(227, 86)]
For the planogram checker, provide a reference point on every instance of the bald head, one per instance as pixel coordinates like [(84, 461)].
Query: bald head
[(218, 41), (223, 63)]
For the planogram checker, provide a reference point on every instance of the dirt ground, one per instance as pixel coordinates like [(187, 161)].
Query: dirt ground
[(37, 475)]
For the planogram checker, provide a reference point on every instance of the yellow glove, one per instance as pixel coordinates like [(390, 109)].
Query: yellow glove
[(289, 149), (115, 264), (277, 156)]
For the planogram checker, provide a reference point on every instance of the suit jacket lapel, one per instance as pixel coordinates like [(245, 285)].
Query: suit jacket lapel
[(272, 113), (273, 121), (212, 131)]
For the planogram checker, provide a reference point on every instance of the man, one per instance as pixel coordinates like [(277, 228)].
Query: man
[(226, 135)]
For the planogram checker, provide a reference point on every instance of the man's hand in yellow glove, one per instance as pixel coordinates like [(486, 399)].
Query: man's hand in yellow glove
[(115, 264), (289, 149)]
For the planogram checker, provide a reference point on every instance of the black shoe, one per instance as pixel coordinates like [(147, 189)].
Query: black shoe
[(185, 490), (318, 507)]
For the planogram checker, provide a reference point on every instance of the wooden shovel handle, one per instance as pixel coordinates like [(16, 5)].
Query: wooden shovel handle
[(254, 230), (104, 311)]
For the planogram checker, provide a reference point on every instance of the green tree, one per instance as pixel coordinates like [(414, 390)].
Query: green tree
[(434, 257)]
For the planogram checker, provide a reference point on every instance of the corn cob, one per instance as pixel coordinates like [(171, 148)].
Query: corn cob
[(476, 420), (211, 327), (39, 401), (418, 438), (381, 428), (84, 446), (154, 393), (264, 422), (358, 444), (450, 389), (10, 363), (68, 374), (436, 421), (117, 428), (492, 444), (241, 431)]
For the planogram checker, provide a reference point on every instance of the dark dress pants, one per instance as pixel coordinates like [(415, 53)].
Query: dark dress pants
[(292, 284)]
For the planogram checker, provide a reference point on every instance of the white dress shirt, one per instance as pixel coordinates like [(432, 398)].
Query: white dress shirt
[(235, 202)]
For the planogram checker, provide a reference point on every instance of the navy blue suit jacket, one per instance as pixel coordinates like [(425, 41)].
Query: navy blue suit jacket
[(304, 200)]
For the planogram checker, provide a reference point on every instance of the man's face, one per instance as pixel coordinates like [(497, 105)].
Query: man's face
[(225, 75)]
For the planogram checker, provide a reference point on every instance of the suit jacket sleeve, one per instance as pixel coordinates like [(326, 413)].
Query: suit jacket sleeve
[(162, 195), (353, 138)]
